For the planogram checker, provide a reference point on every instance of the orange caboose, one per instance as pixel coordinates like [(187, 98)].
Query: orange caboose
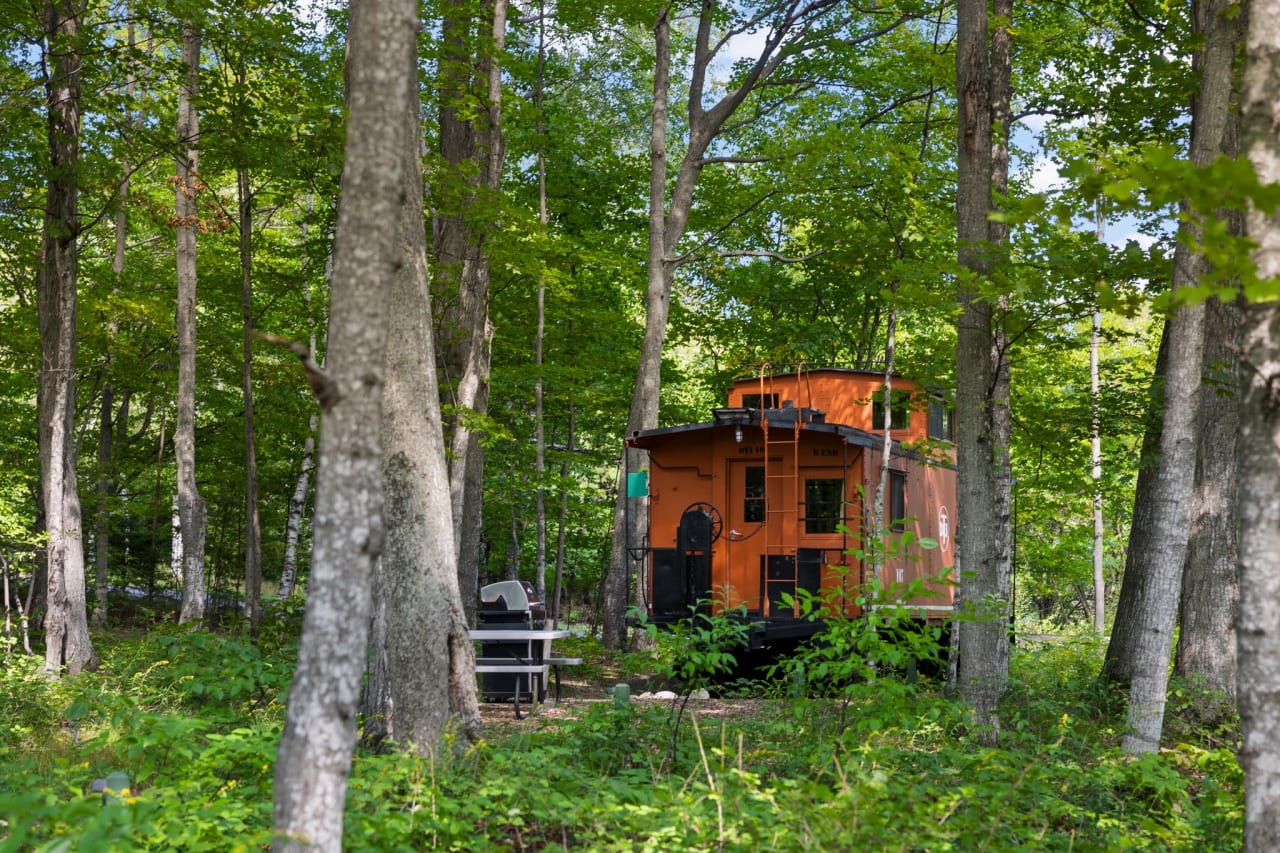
[(772, 495)]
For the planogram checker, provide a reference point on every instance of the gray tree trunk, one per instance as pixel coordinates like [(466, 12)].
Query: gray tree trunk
[(102, 516), (1118, 662), (67, 643), (192, 511), (540, 440), (424, 675), (1158, 569), (319, 735), (1210, 593), (1258, 661), (629, 523)]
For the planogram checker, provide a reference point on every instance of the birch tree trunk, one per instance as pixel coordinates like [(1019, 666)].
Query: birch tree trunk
[(298, 501), (67, 642), (316, 746), (192, 511), (102, 516), (1258, 629), (426, 671)]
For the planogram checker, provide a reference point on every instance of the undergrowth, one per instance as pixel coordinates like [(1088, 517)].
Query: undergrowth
[(880, 764)]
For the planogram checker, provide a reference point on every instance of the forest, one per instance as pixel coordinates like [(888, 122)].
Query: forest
[(315, 318)]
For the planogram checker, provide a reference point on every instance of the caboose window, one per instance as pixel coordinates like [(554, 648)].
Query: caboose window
[(752, 401), (753, 495), (940, 421), (823, 502), (897, 500), (901, 413)]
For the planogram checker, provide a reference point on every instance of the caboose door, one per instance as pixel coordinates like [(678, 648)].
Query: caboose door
[(745, 535)]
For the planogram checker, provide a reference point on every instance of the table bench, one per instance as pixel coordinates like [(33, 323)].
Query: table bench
[(515, 667), (555, 664)]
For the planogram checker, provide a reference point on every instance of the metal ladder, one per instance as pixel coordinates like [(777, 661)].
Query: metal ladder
[(782, 517)]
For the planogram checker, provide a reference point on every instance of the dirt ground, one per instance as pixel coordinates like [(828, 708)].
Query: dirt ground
[(499, 717)]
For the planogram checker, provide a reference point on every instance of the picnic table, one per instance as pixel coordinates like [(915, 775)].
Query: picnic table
[(522, 653)]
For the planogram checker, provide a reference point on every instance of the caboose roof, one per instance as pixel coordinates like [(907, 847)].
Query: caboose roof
[(728, 418)]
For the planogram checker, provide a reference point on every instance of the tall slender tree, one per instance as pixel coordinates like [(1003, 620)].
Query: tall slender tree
[(67, 642), (982, 370), (316, 746), (192, 510)]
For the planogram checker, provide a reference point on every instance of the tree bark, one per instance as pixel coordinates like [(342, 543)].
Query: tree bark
[(1153, 576), (1210, 593), (1258, 629), (67, 643), (192, 511), (426, 664), (319, 735)]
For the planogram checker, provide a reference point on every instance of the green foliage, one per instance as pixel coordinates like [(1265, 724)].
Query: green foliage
[(888, 637), (897, 771), (694, 651)]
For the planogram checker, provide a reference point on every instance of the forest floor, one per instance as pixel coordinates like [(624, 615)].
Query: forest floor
[(583, 687)]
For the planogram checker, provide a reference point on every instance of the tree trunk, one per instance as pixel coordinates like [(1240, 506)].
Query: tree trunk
[(252, 524), (319, 735), (192, 511), (1153, 577), (102, 520), (426, 663), (629, 523), (561, 520), (473, 150), (67, 642), (1258, 661), (1210, 593), (298, 501), (297, 507), (102, 516), (982, 378), (540, 443)]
